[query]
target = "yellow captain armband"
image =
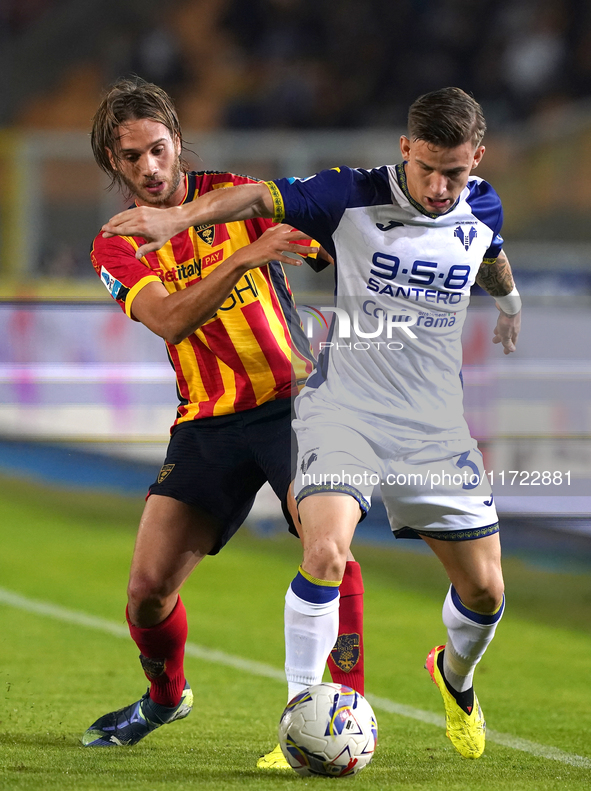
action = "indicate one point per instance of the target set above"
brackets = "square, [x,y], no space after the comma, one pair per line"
[278,206]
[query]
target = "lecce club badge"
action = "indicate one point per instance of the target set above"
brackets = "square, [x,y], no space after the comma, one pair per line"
[206,233]
[165,472]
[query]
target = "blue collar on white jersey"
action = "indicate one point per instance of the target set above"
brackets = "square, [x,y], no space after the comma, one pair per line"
[401,176]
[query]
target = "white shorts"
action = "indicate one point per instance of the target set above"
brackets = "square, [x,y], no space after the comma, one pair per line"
[429,487]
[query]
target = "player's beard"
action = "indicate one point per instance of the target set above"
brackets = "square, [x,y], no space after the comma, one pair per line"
[138,190]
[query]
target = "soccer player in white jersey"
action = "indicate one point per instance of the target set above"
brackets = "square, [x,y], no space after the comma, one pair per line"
[384,405]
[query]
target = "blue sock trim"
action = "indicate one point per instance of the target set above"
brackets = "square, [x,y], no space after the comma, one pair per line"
[477,617]
[312,592]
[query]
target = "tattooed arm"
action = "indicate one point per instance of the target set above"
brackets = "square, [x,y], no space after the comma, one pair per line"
[497,280]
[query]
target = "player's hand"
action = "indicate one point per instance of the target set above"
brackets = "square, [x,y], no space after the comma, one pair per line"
[156,226]
[507,331]
[278,243]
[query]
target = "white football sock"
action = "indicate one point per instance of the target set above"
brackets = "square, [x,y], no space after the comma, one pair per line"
[468,636]
[310,634]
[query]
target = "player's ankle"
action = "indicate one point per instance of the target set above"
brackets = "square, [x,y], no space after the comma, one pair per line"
[464,698]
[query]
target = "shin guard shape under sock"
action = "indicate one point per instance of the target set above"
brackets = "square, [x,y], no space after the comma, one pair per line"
[311,624]
[469,634]
[162,650]
[346,660]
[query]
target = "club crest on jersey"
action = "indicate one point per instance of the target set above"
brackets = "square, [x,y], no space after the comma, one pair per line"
[466,238]
[308,460]
[206,233]
[165,472]
[345,653]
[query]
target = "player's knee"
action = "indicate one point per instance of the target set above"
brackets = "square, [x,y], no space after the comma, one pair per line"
[144,591]
[485,596]
[325,560]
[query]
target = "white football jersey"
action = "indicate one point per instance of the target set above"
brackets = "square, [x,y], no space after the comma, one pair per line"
[403,279]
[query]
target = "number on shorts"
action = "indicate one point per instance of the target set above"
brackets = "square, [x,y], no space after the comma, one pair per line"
[464,461]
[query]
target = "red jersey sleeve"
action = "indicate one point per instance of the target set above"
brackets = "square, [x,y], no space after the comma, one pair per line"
[119,270]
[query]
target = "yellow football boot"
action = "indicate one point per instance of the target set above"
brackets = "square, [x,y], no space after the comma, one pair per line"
[466,730]
[273,760]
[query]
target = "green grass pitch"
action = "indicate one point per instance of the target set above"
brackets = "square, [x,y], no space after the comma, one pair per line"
[73,551]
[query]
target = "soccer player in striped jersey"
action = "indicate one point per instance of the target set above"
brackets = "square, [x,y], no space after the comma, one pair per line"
[384,406]
[217,294]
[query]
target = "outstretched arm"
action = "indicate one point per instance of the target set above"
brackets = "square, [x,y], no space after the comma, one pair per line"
[175,316]
[157,226]
[497,280]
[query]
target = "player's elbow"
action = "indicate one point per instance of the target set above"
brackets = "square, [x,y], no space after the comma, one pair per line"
[176,329]
[174,340]
[171,316]
[176,334]
[169,326]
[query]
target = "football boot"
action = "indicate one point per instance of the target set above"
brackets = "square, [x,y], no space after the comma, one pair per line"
[127,726]
[273,760]
[466,727]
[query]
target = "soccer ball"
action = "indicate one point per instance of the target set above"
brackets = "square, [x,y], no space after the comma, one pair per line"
[329,730]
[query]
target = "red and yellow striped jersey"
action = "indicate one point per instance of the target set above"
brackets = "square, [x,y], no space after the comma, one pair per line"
[253,349]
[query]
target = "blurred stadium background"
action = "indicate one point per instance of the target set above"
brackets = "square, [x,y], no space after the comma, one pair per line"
[286,87]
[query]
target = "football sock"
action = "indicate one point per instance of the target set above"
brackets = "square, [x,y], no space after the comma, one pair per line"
[468,636]
[311,626]
[162,650]
[465,700]
[346,661]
